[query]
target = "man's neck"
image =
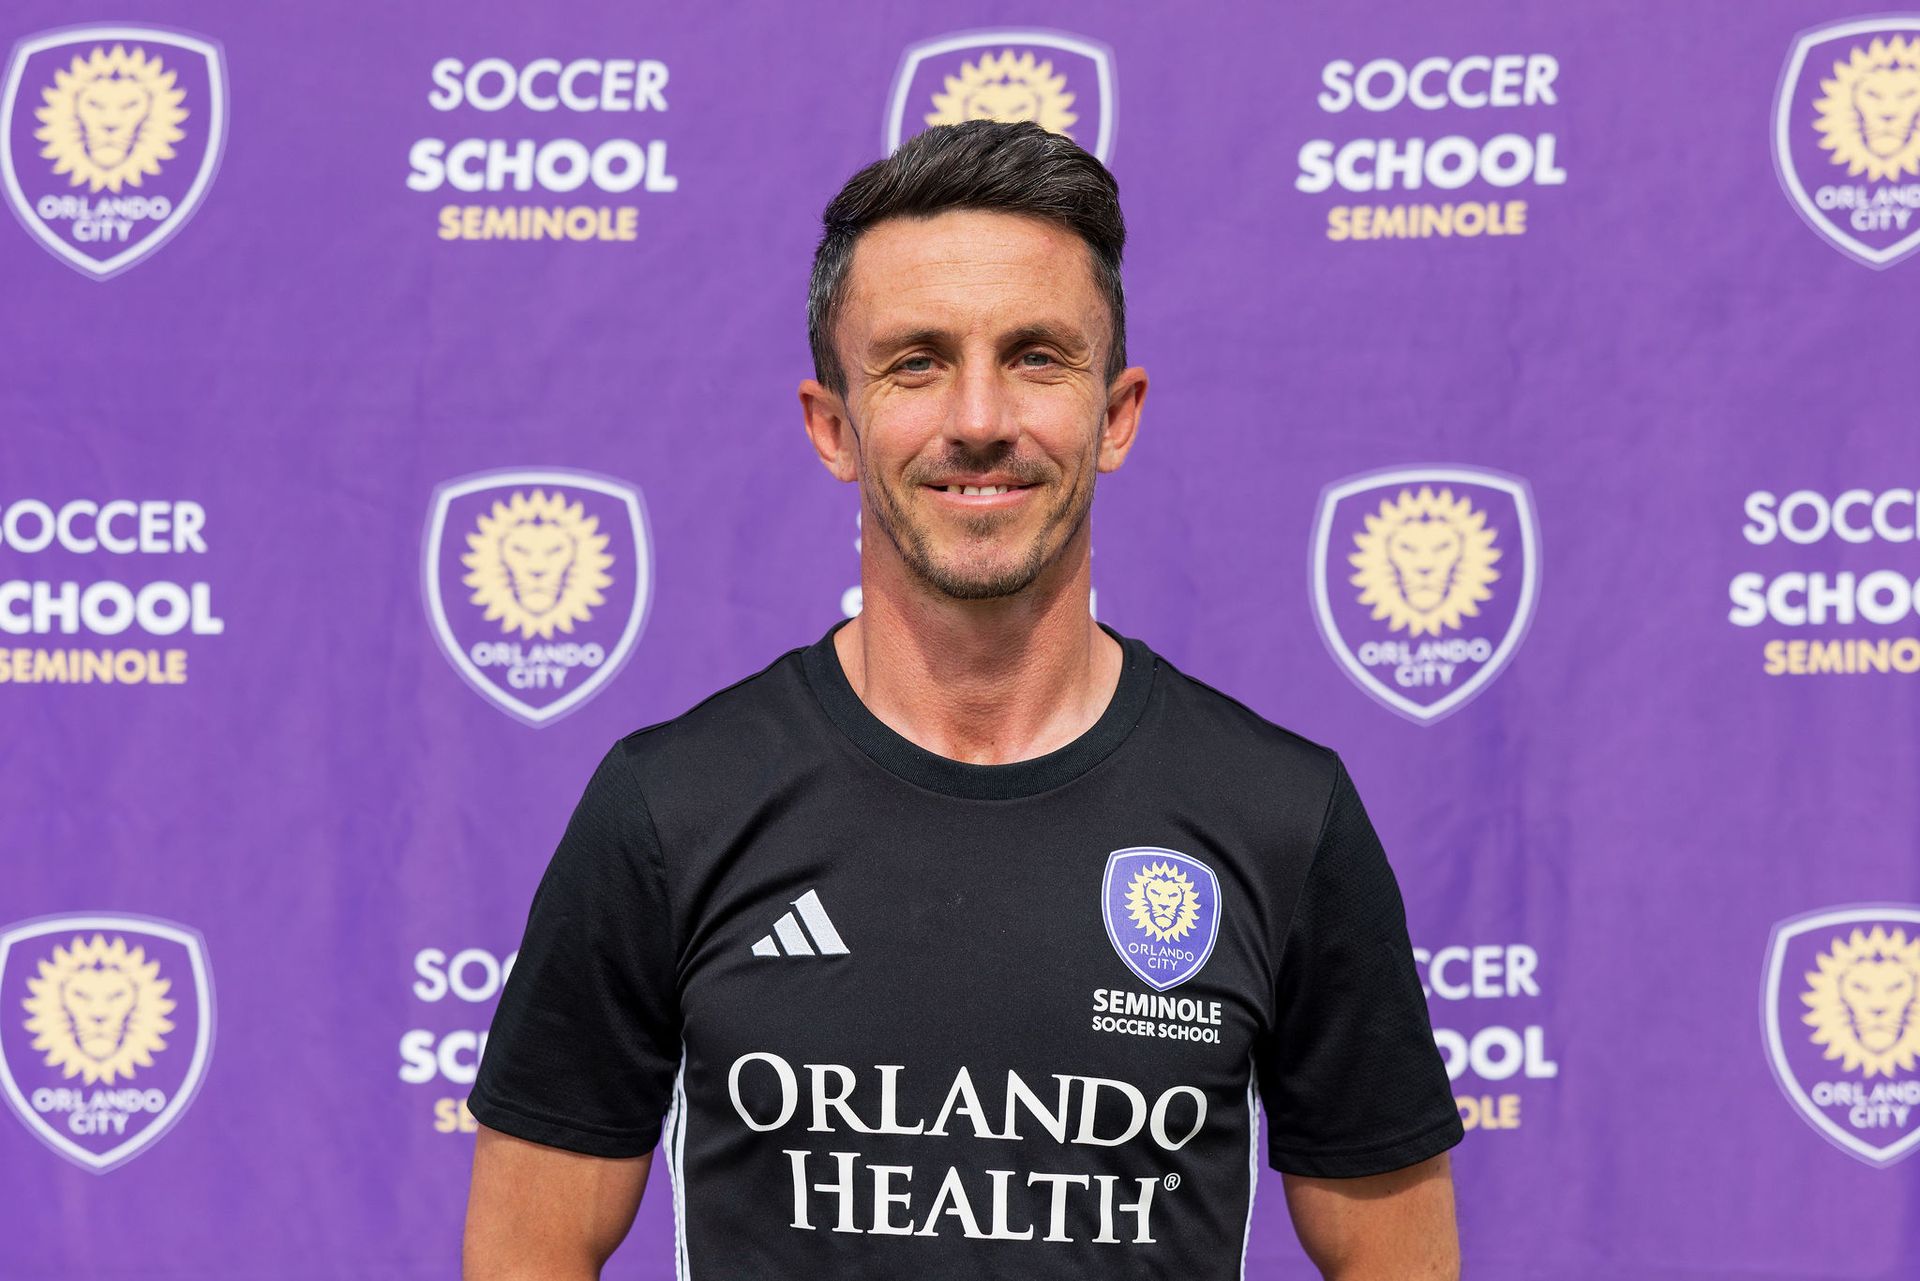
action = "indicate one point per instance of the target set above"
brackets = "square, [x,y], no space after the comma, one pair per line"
[985,682]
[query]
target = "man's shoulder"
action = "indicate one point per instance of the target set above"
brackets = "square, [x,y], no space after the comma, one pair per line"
[746,726]
[1226,732]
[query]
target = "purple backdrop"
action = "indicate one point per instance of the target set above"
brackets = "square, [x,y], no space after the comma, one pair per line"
[1532,420]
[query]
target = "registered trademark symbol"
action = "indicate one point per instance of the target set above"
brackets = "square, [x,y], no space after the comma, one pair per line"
[1171,1182]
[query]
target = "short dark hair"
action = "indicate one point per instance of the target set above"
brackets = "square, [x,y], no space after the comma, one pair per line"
[984,165]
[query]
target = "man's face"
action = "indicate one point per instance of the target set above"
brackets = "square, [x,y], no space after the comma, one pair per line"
[975,347]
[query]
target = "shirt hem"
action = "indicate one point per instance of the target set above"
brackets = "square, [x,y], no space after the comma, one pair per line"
[560,1134]
[1358,1163]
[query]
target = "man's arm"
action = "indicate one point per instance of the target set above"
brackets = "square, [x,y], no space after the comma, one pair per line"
[1396,1226]
[537,1212]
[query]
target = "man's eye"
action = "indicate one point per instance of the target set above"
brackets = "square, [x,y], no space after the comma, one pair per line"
[916,365]
[1036,359]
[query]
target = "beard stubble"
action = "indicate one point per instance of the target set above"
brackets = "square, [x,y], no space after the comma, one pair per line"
[915,542]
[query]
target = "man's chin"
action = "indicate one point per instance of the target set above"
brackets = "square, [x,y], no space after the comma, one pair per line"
[974,579]
[998,587]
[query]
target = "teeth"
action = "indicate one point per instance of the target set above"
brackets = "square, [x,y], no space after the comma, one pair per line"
[978,489]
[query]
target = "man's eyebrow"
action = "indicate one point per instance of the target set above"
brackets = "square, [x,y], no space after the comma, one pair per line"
[1066,338]
[923,337]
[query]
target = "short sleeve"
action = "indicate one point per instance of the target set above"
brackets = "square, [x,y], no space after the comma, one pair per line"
[1349,1074]
[585,1044]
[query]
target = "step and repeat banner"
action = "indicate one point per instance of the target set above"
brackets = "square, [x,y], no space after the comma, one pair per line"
[397,407]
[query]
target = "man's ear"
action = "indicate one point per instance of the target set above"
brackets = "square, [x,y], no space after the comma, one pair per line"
[1126,394]
[830,430]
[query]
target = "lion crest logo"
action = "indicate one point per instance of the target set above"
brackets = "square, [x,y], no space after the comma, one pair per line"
[1424,582]
[106,1024]
[1870,112]
[109,138]
[1847,135]
[1064,83]
[1008,87]
[1162,912]
[1424,562]
[99,1009]
[111,118]
[1841,1014]
[1162,901]
[1863,1001]
[538,564]
[536,584]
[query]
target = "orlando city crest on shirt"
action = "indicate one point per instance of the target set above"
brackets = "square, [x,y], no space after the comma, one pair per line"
[1840,1012]
[536,583]
[1162,911]
[106,1025]
[1063,83]
[1846,135]
[109,139]
[1423,582]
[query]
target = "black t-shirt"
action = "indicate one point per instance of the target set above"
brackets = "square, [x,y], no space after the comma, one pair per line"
[904,1016]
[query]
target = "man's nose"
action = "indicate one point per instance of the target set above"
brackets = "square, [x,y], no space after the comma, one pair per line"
[983,410]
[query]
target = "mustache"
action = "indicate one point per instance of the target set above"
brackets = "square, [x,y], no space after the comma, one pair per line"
[998,457]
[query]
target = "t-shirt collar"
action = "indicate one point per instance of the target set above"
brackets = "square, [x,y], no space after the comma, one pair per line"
[908,760]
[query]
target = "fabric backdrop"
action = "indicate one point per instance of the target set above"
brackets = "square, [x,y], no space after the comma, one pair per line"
[397,406]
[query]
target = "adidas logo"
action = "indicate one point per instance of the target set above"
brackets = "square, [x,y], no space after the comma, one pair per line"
[793,939]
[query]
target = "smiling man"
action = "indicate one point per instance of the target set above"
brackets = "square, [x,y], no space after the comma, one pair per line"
[962,942]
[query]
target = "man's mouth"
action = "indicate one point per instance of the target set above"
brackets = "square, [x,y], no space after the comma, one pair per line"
[981,490]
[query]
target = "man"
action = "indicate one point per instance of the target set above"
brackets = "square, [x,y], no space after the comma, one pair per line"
[957,944]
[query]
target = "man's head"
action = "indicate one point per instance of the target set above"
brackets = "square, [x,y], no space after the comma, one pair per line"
[981,165]
[968,330]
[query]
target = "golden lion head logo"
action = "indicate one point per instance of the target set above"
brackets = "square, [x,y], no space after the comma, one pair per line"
[1425,561]
[1870,114]
[111,118]
[538,564]
[99,1010]
[1863,1002]
[1008,87]
[1163,902]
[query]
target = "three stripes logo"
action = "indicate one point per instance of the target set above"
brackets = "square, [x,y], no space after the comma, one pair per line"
[817,938]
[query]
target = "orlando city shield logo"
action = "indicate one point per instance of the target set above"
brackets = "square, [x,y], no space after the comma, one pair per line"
[1423,582]
[1162,911]
[536,585]
[1063,83]
[1846,135]
[1840,1012]
[109,139]
[106,1025]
